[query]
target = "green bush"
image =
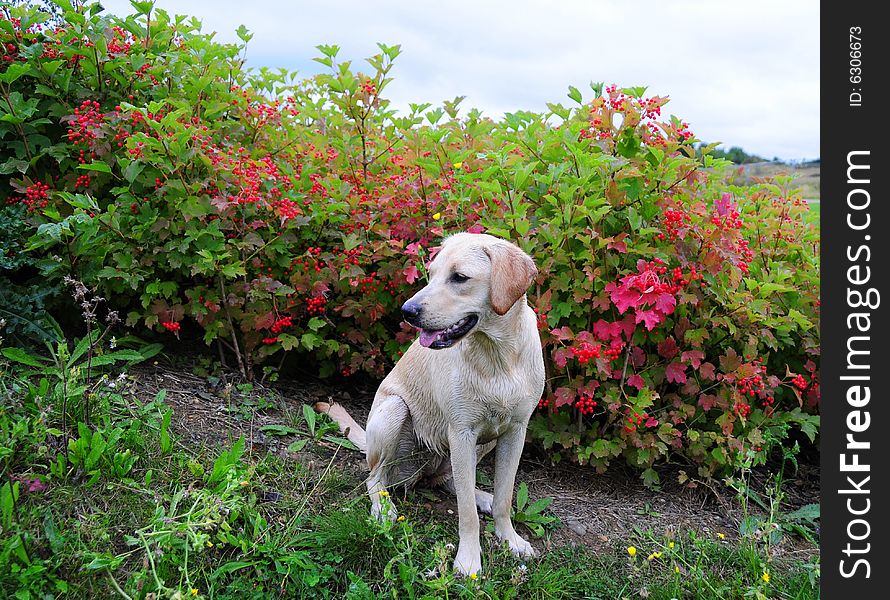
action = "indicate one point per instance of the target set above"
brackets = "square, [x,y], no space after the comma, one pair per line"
[679,311]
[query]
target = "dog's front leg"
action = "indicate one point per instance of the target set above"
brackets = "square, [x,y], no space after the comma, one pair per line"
[462,444]
[507,454]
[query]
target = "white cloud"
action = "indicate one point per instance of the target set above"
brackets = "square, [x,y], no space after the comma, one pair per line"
[746,74]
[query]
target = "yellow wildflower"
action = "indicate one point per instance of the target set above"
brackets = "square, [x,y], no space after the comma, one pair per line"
[765,576]
[383,493]
[437,216]
[245,483]
[676,569]
[209,544]
[671,545]
[474,576]
[194,591]
[722,536]
[653,556]
[458,165]
[401,518]
[632,551]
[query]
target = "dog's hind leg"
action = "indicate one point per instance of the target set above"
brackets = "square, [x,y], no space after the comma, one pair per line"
[390,440]
[352,430]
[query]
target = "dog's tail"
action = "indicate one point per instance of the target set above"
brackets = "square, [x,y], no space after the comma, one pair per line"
[352,430]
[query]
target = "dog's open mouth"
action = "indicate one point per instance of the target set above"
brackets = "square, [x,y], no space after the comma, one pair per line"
[445,338]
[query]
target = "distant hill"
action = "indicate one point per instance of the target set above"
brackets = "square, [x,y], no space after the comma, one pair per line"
[807,175]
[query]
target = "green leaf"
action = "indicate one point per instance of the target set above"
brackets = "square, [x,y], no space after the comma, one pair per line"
[310,416]
[20,356]
[278,429]
[166,443]
[574,94]
[95,166]
[244,34]
[521,497]
[297,445]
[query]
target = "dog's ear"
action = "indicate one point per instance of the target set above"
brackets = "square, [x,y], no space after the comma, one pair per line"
[512,271]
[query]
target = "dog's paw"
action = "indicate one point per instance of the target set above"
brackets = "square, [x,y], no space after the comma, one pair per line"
[468,560]
[483,501]
[519,546]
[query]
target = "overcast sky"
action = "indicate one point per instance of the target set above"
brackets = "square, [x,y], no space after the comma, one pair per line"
[742,73]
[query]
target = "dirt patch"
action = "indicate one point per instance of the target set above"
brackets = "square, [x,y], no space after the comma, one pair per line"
[596,510]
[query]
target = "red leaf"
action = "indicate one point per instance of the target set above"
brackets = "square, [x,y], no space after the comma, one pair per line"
[264,322]
[618,247]
[636,381]
[637,357]
[562,333]
[707,401]
[411,274]
[707,371]
[730,361]
[563,396]
[693,357]
[675,372]
[650,318]
[668,348]
[561,357]
[666,303]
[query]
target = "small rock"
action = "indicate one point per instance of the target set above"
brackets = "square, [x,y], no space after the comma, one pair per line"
[577,527]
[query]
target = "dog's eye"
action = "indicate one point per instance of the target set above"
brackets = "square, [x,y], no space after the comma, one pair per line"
[459,278]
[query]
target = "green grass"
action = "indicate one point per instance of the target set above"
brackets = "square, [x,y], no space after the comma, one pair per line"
[224,523]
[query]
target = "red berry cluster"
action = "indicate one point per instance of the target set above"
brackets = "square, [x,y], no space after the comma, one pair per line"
[683,132]
[544,402]
[316,305]
[36,196]
[585,404]
[683,280]
[82,181]
[281,324]
[800,382]
[675,224]
[634,420]
[585,351]
[369,88]
[269,340]
[745,255]
[120,42]
[171,326]
[742,409]
[85,127]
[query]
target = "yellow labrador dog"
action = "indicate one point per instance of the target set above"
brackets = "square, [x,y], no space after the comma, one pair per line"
[468,383]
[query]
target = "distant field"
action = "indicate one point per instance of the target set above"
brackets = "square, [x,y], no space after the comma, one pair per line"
[807,177]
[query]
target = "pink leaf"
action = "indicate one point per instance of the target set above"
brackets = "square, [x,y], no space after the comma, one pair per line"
[564,396]
[618,247]
[665,303]
[636,381]
[693,357]
[707,371]
[561,357]
[707,401]
[651,318]
[411,274]
[675,372]
[562,333]
[668,348]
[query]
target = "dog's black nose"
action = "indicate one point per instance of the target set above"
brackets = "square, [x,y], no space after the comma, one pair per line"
[411,311]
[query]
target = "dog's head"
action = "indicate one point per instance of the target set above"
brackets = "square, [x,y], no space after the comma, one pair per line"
[473,278]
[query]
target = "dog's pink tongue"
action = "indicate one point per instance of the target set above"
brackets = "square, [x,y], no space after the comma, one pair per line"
[427,337]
